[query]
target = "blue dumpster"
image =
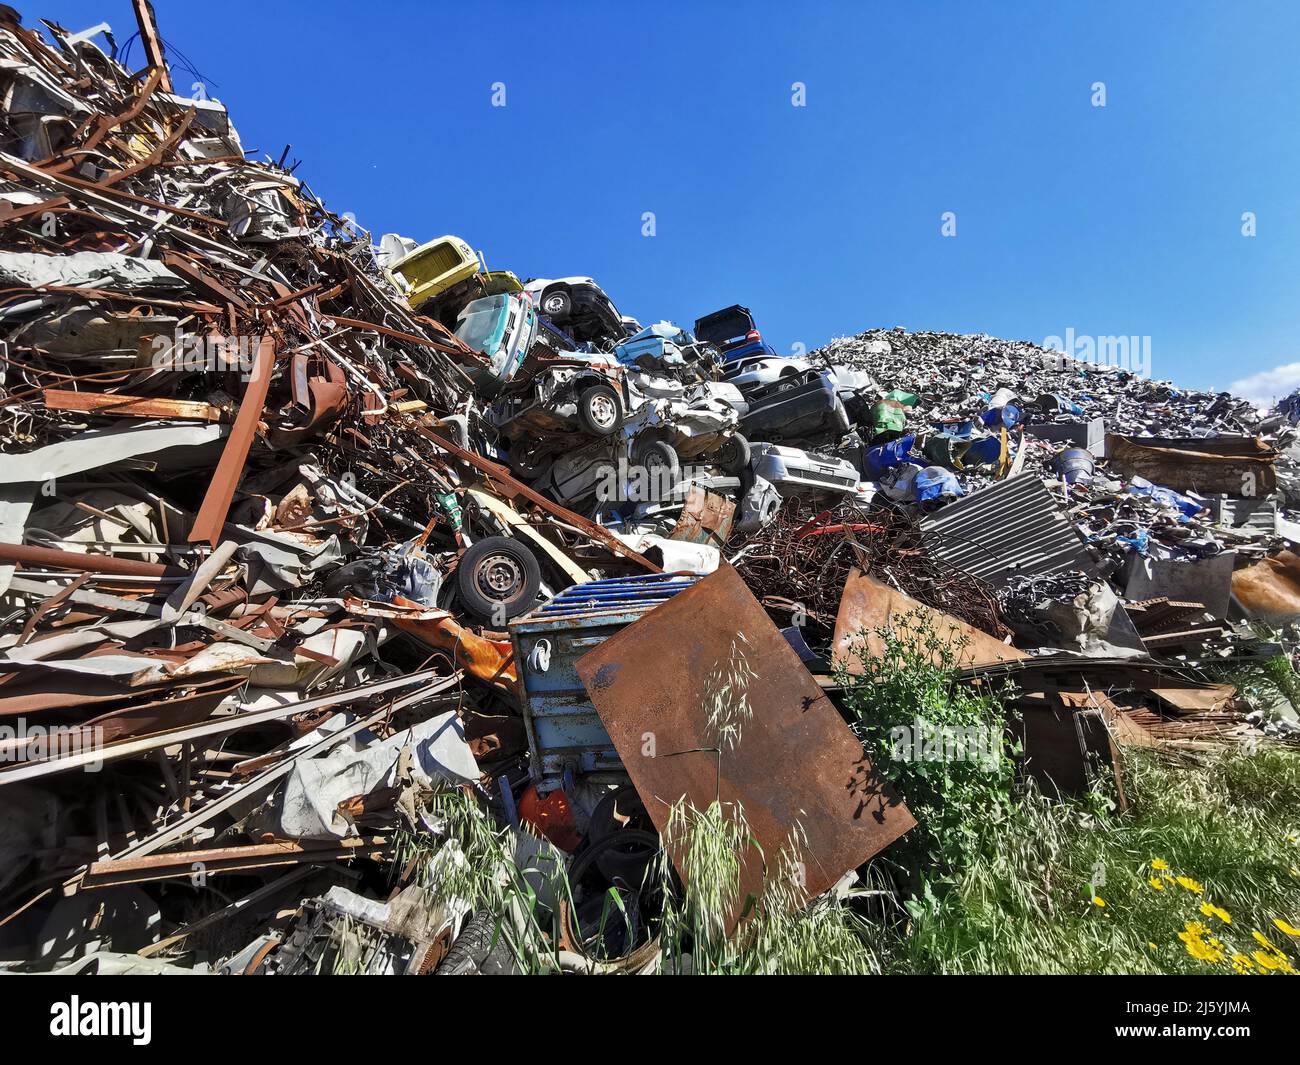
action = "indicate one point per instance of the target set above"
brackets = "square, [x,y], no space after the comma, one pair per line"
[565,736]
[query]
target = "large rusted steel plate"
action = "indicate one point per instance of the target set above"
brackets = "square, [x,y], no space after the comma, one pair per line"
[796,761]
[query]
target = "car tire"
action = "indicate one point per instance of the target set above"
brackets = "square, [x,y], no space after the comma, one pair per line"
[600,410]
[521,467]
[557,305]
[497,578]
[733,456]
[659,454]
[480,950]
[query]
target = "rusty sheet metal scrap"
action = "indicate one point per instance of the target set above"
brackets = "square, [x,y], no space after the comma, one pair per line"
[793,762]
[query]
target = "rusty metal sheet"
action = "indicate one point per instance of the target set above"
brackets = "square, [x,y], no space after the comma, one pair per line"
[1235,466]
[706,518]
[796,760]
[1270,589]
[1063,736]
[868,605]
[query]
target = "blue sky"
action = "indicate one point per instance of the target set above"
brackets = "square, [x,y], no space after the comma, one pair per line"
[824,219]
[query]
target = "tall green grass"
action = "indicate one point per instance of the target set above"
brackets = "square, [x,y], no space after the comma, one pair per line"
[1062,888]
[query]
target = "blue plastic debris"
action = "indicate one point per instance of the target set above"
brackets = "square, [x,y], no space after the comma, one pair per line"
[887,456]
[1140,486]
[933,482]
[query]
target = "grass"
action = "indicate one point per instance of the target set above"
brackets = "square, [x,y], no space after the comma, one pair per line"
[1063,888]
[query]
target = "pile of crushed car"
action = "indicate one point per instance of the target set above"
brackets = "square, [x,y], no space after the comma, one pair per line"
[305,539]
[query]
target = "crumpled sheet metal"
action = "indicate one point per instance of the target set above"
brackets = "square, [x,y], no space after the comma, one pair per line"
[87,269]
[307,807]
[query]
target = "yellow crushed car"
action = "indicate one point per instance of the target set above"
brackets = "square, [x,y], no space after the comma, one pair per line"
[433,268]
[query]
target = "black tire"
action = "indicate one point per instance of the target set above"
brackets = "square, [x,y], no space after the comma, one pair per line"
[494,573]
[557,305]
[519,463]
[733,456]
[479,950]
[658,453]
[600,410]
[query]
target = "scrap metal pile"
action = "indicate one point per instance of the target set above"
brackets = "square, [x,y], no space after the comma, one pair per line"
[304,538]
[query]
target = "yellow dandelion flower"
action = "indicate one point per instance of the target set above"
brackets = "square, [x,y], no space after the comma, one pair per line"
[1156,883]
[1241,963]
[1273,963]
[1199,949]
[1188,884]
[1263,941]
[1153,946]
[1283,926]
[1159,864]
[1210,910]
[1097,900]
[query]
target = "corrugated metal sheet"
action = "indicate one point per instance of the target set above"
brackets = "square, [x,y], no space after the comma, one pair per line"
[1008,528]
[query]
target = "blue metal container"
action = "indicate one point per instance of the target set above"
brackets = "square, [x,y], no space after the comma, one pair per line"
[565,736]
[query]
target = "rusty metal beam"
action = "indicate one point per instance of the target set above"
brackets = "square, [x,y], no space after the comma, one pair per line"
[216,504]
[110,872]
[459,347]
[25,554]
[152,41]
[130,406]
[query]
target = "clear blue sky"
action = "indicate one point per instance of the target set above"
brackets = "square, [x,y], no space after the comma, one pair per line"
[824,219]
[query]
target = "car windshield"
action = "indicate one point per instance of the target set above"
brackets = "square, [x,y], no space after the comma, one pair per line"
[483,323]
[719,328]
